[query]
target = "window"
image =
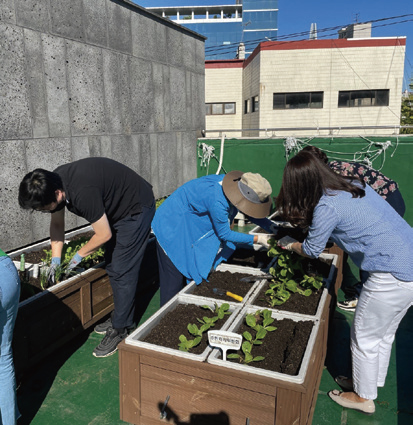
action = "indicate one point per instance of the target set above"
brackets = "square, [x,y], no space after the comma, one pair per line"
[356,98]
[298,100]
[246,106]
[220,108]
[255,106]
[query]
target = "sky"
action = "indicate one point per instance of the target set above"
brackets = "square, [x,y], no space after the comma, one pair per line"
[296,16]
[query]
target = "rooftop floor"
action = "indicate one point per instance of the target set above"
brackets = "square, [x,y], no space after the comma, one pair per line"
[73,387]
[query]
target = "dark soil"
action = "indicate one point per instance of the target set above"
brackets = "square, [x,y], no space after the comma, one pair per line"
[295,304]
[35,257]
[166,333]
[230,282]
[250,258]
[282,349]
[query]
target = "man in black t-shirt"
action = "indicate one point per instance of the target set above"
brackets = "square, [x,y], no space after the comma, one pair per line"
[120,206]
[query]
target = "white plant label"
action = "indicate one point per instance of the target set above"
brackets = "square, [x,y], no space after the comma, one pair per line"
[225,341]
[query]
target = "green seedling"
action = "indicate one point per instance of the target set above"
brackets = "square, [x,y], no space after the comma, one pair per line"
[68,251]
[260,322]
[289,277]
[206,322]
[187,344]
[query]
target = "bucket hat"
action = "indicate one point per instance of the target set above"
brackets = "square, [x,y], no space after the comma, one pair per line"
[249,192]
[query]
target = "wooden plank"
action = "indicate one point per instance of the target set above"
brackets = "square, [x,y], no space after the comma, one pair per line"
[203,397]
[85,303]
[288,410]
[214,372]
[223,389]
[129,386]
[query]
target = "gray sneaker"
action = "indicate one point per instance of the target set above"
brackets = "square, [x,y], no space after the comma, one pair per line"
[348,305]
[101,328]
[109,343]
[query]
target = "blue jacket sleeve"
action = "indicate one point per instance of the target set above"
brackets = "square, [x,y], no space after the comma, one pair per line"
[219,213]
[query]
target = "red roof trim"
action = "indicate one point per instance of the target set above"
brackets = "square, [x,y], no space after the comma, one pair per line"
[338,43]
[230,63]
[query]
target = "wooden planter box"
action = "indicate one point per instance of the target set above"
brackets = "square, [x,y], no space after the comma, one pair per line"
[157,387]
[49,319]
[220,395]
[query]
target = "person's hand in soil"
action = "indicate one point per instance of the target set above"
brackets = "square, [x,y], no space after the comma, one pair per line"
[74,262]
[51,274]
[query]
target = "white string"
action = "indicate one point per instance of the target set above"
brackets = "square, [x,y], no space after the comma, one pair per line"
[207,154]
[366,155]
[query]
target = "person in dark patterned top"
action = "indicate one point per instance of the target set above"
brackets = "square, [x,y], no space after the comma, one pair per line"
[388,189]
[375,179]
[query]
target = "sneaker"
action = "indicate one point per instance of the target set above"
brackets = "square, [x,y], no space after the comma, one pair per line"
[109,344]
[101,328]
[348,305]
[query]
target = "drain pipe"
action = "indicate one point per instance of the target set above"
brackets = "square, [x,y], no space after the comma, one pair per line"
[221,154]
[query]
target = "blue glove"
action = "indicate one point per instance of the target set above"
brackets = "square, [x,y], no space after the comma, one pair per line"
[51,273]
[74,262]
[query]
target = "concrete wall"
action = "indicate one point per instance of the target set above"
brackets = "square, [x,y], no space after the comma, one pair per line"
[84,78]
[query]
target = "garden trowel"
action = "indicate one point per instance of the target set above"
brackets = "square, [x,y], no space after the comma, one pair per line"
[219,291]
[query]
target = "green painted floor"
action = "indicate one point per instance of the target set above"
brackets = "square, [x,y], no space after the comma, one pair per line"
[73,387]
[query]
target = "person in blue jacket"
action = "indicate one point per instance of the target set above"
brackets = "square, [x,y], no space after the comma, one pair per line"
[192,226]
[377,239]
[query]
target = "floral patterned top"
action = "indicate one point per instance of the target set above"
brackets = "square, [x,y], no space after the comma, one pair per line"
[375,179]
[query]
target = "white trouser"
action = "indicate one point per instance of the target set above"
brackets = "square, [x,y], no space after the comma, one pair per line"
[383,303]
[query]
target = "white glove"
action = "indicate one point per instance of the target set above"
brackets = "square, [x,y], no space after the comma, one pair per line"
[263,240]
[286,243]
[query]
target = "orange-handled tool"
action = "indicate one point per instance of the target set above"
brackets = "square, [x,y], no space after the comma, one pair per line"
[219,291]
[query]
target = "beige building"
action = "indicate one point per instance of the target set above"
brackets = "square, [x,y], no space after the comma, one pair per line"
[308,88]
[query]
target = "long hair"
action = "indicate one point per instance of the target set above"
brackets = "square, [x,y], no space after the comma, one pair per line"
[306,178]
[38,189]
[317,152]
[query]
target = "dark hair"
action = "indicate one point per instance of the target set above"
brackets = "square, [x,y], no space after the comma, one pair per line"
[317,152]
[37,189]
[306,178]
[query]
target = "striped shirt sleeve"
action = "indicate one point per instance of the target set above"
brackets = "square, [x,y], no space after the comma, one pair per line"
[325,219]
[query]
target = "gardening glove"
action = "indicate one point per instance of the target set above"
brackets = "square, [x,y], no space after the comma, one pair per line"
[51,273]
[74,262]
[263,241]
[287,242]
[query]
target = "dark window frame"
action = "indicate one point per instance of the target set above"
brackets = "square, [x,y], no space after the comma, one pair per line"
[255,104]
[246,106]
[209,108]
[360,98]
[303,100]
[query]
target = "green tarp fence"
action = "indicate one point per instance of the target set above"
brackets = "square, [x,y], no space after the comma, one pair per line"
[268,157]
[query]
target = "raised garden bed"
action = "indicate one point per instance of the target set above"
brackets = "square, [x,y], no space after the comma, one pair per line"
[54,316]
[157,385]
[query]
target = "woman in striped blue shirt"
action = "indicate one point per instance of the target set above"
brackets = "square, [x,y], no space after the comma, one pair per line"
[377,239]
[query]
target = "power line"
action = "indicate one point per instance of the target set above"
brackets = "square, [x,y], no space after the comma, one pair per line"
[213,50]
